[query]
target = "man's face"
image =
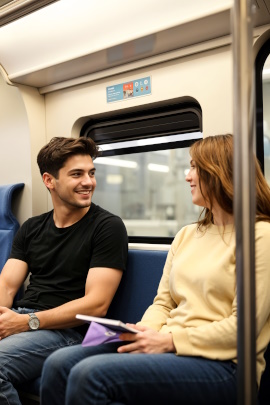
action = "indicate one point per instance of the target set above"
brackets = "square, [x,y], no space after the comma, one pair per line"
[76,182]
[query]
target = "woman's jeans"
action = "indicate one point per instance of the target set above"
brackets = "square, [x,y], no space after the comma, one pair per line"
[99,375]
[22,356]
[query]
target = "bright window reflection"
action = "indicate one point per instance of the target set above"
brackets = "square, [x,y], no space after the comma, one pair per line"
[151,194]
[266,117]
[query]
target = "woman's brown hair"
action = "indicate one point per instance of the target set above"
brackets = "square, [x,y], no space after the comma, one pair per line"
[213,157]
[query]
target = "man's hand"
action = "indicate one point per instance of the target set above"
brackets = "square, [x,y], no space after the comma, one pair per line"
[147,341]
[12,323]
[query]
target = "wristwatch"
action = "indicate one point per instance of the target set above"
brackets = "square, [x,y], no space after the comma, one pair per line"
[33,322]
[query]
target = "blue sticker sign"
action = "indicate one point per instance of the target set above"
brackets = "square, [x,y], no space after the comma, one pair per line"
[128,90]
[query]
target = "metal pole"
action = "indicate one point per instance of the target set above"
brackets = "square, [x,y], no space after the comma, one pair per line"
[244,199]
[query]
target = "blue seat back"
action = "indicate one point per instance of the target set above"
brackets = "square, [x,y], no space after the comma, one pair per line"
[138,286]
[8,223]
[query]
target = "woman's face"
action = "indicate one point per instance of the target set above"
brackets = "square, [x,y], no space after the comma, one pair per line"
[193,179]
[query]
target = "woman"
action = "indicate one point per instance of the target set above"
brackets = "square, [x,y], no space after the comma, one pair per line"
[186,348]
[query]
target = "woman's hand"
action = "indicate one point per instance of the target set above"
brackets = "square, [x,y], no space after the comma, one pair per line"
[146,341]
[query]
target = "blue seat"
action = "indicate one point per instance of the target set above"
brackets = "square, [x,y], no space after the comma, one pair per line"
[138,286]
[8,223]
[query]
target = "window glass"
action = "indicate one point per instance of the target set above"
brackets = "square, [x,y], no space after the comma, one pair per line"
[266,117]
[147,189]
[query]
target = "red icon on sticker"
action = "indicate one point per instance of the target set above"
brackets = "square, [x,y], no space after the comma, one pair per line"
[128,86]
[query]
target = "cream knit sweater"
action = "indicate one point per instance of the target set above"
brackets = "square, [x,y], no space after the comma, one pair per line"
[196,299]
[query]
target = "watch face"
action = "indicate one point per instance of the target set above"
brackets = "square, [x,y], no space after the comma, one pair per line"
[33,323]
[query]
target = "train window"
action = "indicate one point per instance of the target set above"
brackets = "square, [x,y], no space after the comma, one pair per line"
[141,172]
[263,108]
[266,115]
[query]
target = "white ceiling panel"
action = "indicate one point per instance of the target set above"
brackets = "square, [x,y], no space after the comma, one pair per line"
[71,38]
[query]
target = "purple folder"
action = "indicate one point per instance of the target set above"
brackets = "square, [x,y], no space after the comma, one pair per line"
[98,334]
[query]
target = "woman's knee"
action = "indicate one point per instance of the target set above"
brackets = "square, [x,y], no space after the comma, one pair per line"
[91,378]
[79,380]
[55,365]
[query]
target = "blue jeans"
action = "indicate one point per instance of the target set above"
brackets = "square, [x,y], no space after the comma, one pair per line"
[99,375]
[22,356]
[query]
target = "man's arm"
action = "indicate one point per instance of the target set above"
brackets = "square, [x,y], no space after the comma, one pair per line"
[11,278]
[101,285]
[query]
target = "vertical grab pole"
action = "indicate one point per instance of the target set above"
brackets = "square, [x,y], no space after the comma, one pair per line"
[244,199]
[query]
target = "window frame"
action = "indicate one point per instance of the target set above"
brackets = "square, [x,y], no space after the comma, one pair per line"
[146,114]
[259,64]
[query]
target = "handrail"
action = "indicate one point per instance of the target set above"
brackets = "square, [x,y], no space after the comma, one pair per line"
[244,199]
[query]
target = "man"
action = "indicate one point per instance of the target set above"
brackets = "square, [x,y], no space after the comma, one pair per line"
[75,254]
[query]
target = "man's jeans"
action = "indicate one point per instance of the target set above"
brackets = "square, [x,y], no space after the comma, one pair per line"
[98,375]
[22,356]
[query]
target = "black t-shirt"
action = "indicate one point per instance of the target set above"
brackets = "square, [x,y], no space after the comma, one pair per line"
[59,258]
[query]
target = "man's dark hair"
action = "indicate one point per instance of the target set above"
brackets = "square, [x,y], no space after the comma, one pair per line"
[52,157]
